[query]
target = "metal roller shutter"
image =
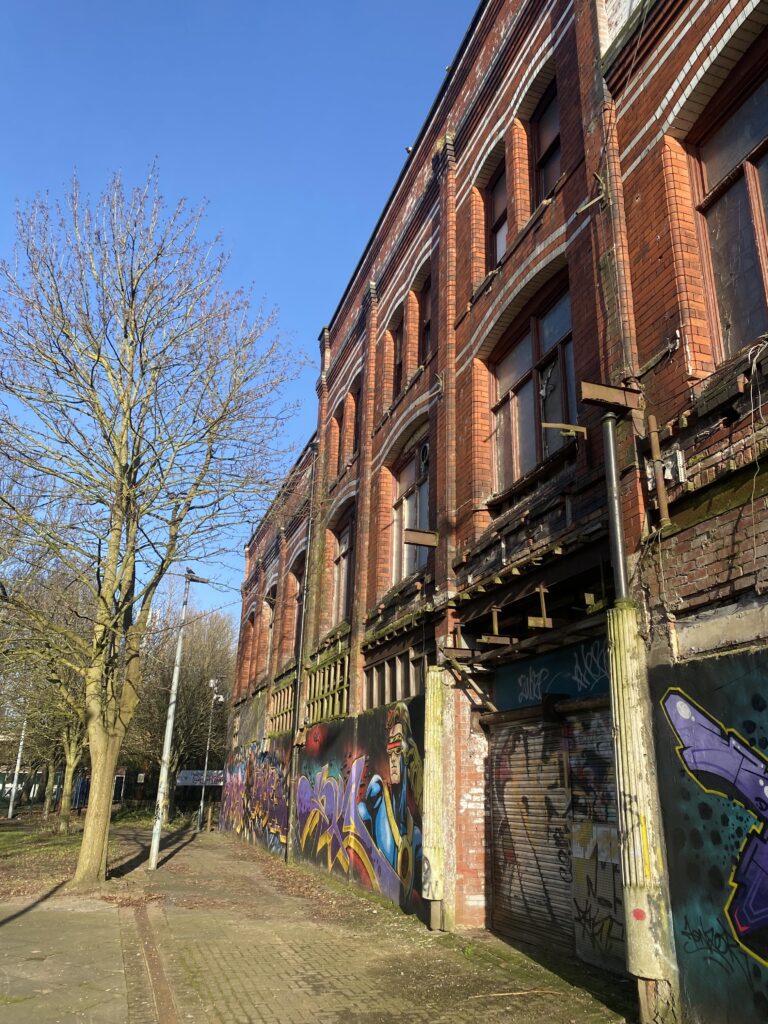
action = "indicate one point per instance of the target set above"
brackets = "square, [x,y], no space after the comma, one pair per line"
[598,908]
[531,822]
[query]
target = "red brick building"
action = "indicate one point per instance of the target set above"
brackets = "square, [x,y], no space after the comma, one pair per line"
[521,565]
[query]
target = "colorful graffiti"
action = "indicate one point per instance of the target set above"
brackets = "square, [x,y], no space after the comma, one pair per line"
[254,800]
[711,726]
[722,762]
[359,810]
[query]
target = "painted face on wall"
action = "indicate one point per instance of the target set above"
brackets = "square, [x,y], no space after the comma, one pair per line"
[395,749]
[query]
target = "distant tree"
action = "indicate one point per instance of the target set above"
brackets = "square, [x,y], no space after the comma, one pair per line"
[143,399]
[209,653]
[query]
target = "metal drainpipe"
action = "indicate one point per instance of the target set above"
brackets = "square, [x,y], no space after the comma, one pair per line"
[293,784]
[615,530]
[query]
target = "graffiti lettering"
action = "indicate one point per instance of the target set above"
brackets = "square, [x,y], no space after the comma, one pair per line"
[562,839]
[590,666]
[716,944]
[599,927]
[532,684]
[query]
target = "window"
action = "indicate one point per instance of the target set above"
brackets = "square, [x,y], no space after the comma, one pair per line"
[298,588]
[356,422]
[270,602]
[411,512]
[497,217]
[341,454]
[398,678]
[425,321]
[397,347]
[734,184]
[342,573]
[545,126]
[535,385]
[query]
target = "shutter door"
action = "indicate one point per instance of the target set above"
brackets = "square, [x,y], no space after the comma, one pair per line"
[531,841]
[598,909]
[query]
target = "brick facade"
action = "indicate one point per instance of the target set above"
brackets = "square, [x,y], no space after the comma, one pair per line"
[527,563]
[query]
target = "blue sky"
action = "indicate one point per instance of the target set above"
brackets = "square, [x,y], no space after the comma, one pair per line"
[292,121]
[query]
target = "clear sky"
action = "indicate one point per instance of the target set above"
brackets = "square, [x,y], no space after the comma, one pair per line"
[291,120]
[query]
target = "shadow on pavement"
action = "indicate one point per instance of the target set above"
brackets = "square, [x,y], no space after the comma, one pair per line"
[34,903]
[169,844]
[616,991]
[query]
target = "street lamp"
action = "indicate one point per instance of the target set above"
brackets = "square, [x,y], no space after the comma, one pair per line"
[216,698]
[162,787]
[15,785]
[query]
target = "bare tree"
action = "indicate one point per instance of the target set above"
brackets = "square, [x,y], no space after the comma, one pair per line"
[144,396]
[209,653]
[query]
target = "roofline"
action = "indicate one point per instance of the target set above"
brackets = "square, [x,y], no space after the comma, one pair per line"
[302,453]
[422,132]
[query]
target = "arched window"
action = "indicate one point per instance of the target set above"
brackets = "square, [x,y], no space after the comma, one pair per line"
[342,571]
[410,510]
[535,389]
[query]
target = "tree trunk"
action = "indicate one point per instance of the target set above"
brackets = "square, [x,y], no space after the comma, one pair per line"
[26,789]
[43,787]
[92,862]
[50,778]
[72,753]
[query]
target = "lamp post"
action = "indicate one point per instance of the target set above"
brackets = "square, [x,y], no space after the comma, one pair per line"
[18,767]
[216,698]
[162,787]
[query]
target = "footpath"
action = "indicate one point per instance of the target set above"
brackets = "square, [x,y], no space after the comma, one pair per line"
[224,933]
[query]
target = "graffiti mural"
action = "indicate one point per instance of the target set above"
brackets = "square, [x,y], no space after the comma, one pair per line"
[254,800]
[359,800]
[711,724]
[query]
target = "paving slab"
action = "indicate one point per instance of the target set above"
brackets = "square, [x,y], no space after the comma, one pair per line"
[224,933]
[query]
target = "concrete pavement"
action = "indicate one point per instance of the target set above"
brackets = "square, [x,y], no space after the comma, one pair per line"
[224,933]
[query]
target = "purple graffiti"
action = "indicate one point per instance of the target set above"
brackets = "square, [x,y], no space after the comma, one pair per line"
[254,798]
[327,811]
[723,763]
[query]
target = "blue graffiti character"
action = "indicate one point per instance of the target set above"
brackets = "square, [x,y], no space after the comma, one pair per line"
[722,762]
[388,809]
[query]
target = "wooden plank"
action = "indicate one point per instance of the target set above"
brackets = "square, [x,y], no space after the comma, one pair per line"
[602,394]
[424,538]
[539,622]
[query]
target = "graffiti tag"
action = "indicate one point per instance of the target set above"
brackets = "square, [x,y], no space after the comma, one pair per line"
[716,944]
[532,684]
[590,666]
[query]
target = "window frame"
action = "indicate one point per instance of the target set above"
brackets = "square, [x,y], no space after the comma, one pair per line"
[339,417]
[399,504]
[356,420]
[343,557]
[539,158]
[725,105]
[425,324]
[529,325]
[398,358]
[493,227]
